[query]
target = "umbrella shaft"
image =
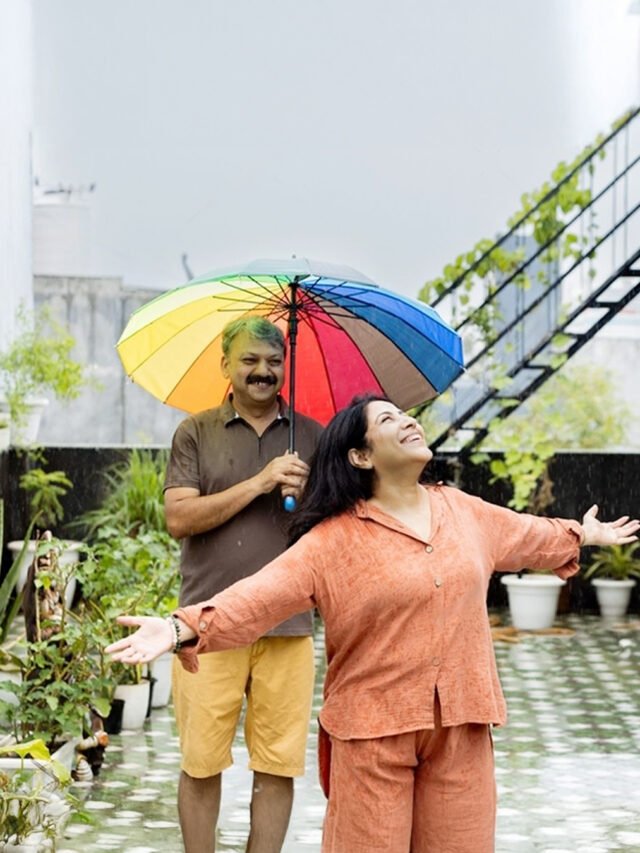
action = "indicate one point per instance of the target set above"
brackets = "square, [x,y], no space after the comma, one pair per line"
[293,334]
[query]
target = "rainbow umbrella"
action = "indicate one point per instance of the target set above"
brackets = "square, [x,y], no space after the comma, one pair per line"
[346,335]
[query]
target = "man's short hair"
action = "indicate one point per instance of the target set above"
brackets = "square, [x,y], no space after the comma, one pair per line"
[257,328]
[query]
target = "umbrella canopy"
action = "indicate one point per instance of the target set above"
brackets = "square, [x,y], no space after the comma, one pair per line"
[346,336]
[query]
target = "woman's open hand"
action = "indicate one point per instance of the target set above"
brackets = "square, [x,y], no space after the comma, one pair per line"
[618,532]
[153,637]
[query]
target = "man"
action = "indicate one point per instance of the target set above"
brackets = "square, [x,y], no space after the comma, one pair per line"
[227,476]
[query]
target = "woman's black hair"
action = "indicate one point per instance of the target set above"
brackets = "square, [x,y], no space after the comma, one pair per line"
[334,484]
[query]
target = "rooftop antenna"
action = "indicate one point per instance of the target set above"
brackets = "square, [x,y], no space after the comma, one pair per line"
[185,266]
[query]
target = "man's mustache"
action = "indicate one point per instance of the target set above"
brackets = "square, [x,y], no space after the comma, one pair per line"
[270,380]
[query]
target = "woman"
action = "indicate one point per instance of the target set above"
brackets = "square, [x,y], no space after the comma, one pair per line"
[399,573]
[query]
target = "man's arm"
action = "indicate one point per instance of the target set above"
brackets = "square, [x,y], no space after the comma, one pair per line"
[188,512]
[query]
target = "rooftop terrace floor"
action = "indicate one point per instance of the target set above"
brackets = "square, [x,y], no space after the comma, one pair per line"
[567,763]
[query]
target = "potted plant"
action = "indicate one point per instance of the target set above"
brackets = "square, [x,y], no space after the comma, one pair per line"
[10,602]
[529,440]
[34,803]
[614,571]
[45,490]
[65,676]
[136,564]
[37,361]
[10,598]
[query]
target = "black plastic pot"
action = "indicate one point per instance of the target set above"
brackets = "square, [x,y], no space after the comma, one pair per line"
[113,723]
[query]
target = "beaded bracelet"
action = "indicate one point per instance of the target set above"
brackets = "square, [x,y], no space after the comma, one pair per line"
[175,628]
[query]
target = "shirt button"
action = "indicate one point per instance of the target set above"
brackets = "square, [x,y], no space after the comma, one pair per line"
[429,549]
[202,625]
[438,582]
[435,661]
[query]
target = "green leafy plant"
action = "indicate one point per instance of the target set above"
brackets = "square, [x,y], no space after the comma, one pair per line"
[481,269]
[45,488]
[38,360]
[133,498]
[32,804]
[576,409]
[550,219]
[10,600]
[65,675]
[616,562]
[136,560]
[133,575]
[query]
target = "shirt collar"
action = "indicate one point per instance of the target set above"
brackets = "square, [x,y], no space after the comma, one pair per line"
[229,414]
[367,511]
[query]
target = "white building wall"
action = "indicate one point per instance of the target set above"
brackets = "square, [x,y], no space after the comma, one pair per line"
[389,136]
[62,238]
[16,57]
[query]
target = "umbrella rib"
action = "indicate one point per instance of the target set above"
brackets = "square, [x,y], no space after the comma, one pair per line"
[383,310]
[273,301]
[249,302]
[325,317]
[283,290]
[326,296]
[317,299]
[240,289]
[355,289]
[383,334]
[283,286]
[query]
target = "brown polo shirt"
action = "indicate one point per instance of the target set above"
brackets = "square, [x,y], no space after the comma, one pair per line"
[212,451]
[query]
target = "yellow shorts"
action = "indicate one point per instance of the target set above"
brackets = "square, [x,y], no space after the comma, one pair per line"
[276,675]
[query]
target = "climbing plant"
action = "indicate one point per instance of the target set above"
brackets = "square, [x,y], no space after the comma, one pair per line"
[544,214]
[589,414]
[577,408]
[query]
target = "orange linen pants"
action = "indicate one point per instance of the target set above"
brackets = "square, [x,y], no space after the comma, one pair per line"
[428,791]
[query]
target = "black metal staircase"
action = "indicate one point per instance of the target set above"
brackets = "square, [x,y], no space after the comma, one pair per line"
[558,294]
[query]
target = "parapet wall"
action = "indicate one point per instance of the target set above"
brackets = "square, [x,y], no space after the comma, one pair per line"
[612,480]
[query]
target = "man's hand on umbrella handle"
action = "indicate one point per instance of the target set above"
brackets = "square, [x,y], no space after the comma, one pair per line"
[287,471]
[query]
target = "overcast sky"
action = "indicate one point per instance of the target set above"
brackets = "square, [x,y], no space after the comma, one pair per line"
[389,136]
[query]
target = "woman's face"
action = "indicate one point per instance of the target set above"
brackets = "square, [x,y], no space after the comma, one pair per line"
[394,438]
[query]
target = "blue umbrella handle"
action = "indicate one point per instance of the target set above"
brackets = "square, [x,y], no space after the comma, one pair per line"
[289,503]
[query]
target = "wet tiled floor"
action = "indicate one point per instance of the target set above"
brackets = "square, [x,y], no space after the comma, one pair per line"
[567,763]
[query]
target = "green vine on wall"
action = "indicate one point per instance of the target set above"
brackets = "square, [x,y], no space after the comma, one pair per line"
[576,409]
[530,437]
[546,212]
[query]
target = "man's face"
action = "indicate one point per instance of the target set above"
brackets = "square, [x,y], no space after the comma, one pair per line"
[255,369]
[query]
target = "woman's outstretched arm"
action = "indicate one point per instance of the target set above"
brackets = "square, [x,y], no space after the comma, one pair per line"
[235,617]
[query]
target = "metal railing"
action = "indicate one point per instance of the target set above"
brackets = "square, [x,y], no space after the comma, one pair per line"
[574,281]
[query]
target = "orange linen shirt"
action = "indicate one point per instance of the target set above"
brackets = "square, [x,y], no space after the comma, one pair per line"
[403,615]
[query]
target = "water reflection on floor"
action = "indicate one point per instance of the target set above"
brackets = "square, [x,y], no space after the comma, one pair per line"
[568,763]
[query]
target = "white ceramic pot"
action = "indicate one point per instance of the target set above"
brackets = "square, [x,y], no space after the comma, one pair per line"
[65,755]
[32,844]
[136,703]
[52,810]
[161,671]
[613,596]
[533,600]
[69,556]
